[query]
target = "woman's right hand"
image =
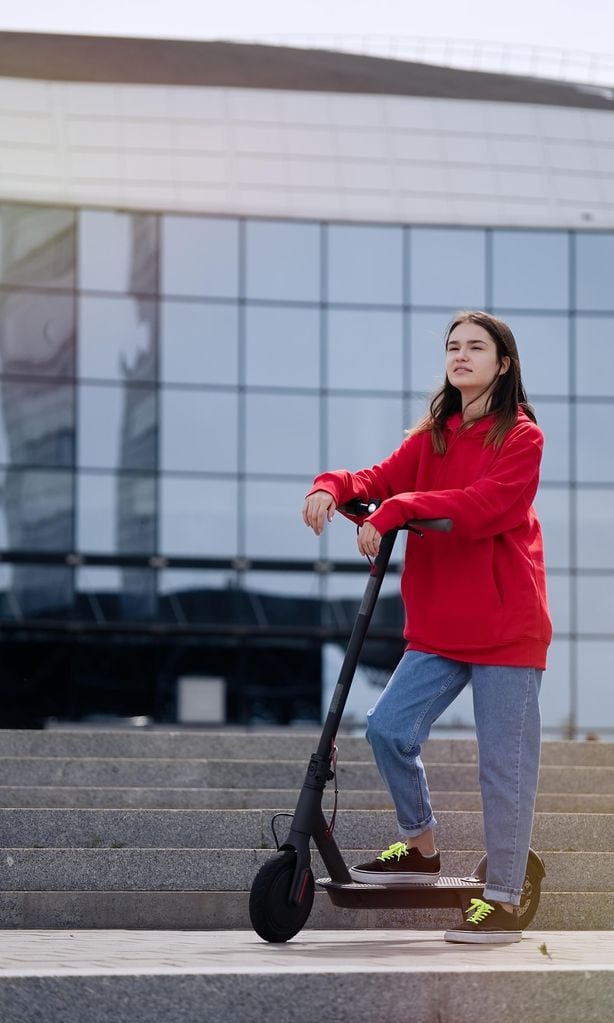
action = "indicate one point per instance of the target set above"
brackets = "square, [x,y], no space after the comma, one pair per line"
[319,507]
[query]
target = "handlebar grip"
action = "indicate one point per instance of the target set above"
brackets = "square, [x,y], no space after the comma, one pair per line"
[442,525]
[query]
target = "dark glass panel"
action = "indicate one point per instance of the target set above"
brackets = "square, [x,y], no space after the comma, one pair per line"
[37,334]
[36,510]
[37,422]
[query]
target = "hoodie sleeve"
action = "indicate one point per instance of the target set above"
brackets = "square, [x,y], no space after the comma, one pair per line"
[395,474]
[497,502]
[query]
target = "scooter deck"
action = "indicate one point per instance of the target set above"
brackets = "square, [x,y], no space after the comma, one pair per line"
[445,892]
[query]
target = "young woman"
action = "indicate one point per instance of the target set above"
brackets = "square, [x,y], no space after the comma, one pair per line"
[475,607]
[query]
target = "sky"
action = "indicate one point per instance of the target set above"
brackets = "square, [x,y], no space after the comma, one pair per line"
[562,24]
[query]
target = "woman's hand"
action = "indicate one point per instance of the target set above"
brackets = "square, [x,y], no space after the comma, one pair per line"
[369,540]
[318,508]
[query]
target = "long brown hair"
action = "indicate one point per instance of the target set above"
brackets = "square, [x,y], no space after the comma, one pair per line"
[508,394]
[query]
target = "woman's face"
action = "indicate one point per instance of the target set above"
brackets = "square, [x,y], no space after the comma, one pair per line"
[472,361]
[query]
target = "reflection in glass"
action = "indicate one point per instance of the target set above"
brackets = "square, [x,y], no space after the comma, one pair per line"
[595,691]
[559,597]
[555,693]
[198,431]
[282,346]
[282,433]
[594,261]
[274,526]
[365,349]
[553,421]
[117,427]
[197,596]
[427,332]
[37,334]
[594,348]
[39,591]
[198,517]
[552,507]
[365,264]
[362,431]
[447,267]
[283,598]
[594,535]
[116,513]
[108,594]
[543,346]
[530,269]
[594,456]
[132,240]
[199,256]
[283,261]
[117,338]
[36,510]
[37,424]
[198,343]
[37,246]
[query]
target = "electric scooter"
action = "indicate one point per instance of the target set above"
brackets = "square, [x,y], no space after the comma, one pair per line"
[283,890]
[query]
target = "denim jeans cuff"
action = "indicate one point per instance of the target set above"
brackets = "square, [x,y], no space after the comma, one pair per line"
[499,894]
[416,829]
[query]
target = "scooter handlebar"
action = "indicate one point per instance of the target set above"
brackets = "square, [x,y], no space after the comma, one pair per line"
[360,509]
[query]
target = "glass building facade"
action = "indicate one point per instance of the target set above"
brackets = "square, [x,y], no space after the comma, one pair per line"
[170,384]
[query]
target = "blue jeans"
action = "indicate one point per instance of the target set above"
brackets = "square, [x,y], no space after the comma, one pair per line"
[508,729]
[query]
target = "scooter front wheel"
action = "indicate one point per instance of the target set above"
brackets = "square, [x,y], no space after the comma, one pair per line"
[273,916]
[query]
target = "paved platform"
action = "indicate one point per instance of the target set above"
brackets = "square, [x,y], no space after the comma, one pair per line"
[357,976]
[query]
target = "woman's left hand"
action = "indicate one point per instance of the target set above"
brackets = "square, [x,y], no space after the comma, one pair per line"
[369,540]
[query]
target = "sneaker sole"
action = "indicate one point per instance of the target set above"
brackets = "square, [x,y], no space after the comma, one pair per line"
[483,937]
[374,877]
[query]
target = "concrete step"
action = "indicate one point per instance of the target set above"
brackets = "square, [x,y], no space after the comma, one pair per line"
[228,910]
[343,977]
[280,744]
[251,829]
[246,799]
[181,869]
[284,774]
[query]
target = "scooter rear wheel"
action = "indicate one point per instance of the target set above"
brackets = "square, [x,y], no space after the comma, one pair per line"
[273,917]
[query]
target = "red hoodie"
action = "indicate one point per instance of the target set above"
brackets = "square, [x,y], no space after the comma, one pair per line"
[478,593]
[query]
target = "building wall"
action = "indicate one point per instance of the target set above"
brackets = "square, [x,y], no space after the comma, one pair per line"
[170,384]
[330,156]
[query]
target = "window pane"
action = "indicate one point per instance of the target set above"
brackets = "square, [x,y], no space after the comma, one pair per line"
[427,356]
[131,238]
[594,348]
[110,594]
[37,246]
[37,334]
[199,256]
[559,601]
[447,267]
[553,421]
[552,507]
[197,596]
[117,339]
[594,535]
[555,693]
[365,350]
[595,459]
[595,691]
[198,343]
[596,604]
[530,269]
[362,431]
[594,270]
[285,584]
[543,346]
[283,260]
[36,510]
[39,591]
[283,598]
[365,264]
[117,427]
[199,431]
[198,517]
[282,346]
[37,423]
[116,513]
[282,433]
[274,525]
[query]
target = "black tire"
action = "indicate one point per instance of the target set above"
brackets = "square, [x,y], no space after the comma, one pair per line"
[531,890]
[272,916]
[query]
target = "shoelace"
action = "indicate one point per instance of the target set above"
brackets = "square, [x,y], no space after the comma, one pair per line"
[397,849]
[479,911]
